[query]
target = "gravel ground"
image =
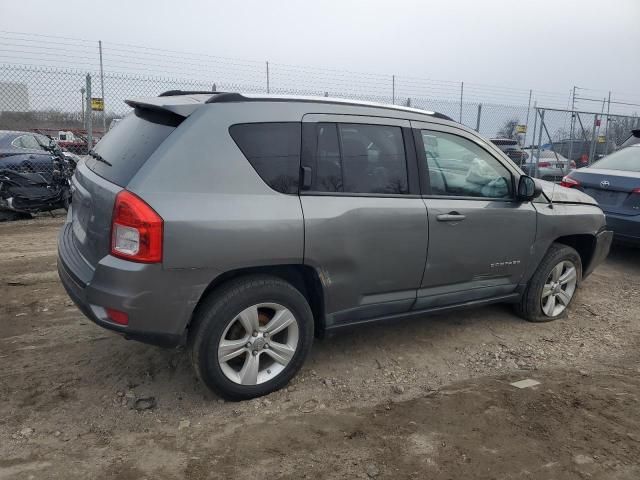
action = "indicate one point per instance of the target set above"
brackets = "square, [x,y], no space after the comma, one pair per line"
[428,398]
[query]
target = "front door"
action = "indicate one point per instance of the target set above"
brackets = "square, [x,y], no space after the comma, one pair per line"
[479,236]
[365,222]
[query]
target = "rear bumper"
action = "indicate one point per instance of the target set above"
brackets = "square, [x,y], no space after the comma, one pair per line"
[602,247]
[159,302]
[625,227]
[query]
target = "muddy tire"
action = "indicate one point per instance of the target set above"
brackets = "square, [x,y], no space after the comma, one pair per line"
[250,337]
[553,285]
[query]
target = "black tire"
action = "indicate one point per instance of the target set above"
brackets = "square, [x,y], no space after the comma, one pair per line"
[530,305]
[10,216]
[221,307]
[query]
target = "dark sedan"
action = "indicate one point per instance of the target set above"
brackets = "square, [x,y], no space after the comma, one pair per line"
[614,181]
[25,152]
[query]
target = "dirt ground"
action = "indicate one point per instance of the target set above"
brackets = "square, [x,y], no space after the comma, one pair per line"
[429,398]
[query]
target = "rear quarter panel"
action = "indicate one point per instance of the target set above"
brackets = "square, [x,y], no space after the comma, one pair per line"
[218,213]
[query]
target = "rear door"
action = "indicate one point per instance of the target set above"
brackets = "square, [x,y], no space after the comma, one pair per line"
[479,235]
[365,223]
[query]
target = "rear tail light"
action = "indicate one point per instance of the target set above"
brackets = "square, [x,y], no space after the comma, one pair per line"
[121,318]
[569,182]
[136,230]
[635,191]
[543,164]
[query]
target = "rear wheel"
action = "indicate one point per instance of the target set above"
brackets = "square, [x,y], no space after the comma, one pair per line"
[553,285]
[251,337]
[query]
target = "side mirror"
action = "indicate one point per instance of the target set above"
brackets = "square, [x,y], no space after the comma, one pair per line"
[528,189]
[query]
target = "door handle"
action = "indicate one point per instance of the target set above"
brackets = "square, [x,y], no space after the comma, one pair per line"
[451,217]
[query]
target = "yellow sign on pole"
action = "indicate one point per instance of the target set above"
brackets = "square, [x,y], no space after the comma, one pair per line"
[521,129]
[97,104]
[602,139]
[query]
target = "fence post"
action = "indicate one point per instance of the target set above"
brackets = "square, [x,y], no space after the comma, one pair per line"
[537,167]
[267,76]
[606,132]
[89,115]
[573,122]
[409,102]
[592,149]
[478,119]
[461,95]
[393,89]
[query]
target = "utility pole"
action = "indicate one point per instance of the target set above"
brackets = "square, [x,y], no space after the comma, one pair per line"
[526,125]
[104,111]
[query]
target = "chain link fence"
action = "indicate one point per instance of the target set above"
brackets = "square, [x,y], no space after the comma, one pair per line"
[57,103]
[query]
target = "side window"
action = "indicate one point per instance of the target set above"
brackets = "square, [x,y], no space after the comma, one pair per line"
[273,149]
[30,142]
[359,158]
[18,142]
[459,167]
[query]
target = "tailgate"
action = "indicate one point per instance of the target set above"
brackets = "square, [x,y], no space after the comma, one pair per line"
[91,210]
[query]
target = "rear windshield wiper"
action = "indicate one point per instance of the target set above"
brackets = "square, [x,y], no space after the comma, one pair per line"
[99,158]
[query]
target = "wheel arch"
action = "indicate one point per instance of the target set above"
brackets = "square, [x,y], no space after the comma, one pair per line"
[584,244]
[303,277]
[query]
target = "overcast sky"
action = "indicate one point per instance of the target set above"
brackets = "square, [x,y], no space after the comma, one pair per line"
[543,44]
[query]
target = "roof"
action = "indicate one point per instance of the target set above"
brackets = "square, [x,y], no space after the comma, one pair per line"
[189,98]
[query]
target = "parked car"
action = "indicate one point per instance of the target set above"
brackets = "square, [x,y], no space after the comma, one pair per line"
[261,221]
[33,180]
[580,151]
[512,149]
[551,166]
[614,181]
[25,152]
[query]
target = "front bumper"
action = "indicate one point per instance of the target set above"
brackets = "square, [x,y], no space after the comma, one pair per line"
[159,302]
[600,252]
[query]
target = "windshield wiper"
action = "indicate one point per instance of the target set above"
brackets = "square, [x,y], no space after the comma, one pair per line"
[99,158]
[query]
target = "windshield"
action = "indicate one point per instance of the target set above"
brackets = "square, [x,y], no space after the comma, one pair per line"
[626,159]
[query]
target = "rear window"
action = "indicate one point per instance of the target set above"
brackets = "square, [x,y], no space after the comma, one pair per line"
[127,146]
[626,159]
[273,149]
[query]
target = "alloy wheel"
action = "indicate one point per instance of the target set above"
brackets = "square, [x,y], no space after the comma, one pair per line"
[559,288]
[258,344]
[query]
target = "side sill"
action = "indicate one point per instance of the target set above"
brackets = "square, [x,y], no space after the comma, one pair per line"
[510,298]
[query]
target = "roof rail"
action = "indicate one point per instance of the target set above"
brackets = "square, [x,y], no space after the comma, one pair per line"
[228,97]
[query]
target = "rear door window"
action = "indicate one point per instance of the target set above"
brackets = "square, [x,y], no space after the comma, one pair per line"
[273,149]
[360,158]
[127,147]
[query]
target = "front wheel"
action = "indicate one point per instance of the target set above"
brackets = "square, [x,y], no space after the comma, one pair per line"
[251,337]
[553,285]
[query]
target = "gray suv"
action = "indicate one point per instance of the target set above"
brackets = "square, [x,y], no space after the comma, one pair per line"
[244,226]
